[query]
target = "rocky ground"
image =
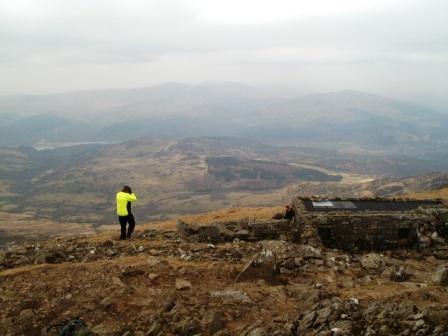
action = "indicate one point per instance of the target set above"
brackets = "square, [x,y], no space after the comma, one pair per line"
[158,284]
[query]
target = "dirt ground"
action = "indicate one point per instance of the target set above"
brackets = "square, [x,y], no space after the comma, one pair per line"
[157,284]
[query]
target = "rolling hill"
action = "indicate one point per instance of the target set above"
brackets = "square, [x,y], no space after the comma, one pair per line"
[225,109]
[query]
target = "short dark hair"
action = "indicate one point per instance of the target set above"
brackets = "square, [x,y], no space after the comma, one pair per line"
[126,189]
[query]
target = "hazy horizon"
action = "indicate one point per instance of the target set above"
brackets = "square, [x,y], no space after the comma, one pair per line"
[267,91]
[395,49]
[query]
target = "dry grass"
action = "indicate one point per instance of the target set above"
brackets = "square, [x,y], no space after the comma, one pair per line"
[25,227]
[231,214]
[234,214]
[440,193]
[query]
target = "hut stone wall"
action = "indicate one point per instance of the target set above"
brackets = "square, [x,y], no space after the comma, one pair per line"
[347,228]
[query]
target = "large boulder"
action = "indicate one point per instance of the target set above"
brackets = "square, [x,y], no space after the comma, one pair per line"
[440,276]
[396,273]
[373,262]
[231,296]
[262,266]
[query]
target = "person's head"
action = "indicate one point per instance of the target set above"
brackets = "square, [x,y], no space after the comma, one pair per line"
[287,206]
[127,189]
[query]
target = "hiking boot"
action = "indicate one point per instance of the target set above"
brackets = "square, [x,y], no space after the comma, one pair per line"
[122,238]
[129,236]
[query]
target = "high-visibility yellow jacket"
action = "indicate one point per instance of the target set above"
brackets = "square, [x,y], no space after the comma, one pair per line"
[122,201]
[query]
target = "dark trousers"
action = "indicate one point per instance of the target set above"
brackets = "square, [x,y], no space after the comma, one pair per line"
[123,221]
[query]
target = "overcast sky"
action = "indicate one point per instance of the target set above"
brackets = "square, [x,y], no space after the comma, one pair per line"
[397,48]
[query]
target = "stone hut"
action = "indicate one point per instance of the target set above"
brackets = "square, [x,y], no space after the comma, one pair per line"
[373,223]
[370,223]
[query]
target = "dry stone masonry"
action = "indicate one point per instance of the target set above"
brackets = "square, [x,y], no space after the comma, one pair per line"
[371,223]
[245,229]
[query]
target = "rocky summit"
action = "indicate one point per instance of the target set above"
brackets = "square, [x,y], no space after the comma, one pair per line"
[160,284]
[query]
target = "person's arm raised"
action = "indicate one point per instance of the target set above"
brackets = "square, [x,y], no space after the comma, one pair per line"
[131,197]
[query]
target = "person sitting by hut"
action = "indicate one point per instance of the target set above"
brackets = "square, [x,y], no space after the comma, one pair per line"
[289,214]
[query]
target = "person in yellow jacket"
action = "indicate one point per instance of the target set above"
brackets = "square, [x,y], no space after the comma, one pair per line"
[124,199]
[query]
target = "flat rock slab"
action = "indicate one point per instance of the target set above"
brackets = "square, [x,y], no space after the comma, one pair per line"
[231,295]
[182,284]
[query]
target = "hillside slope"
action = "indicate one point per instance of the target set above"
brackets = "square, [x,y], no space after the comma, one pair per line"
[75,186]
[439,193]
[156,284]
[171,177]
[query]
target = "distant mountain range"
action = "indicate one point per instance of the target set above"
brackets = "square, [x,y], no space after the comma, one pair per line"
[223,109]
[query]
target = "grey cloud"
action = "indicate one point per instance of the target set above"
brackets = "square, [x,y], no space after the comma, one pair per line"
[150,42]
[103,31]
